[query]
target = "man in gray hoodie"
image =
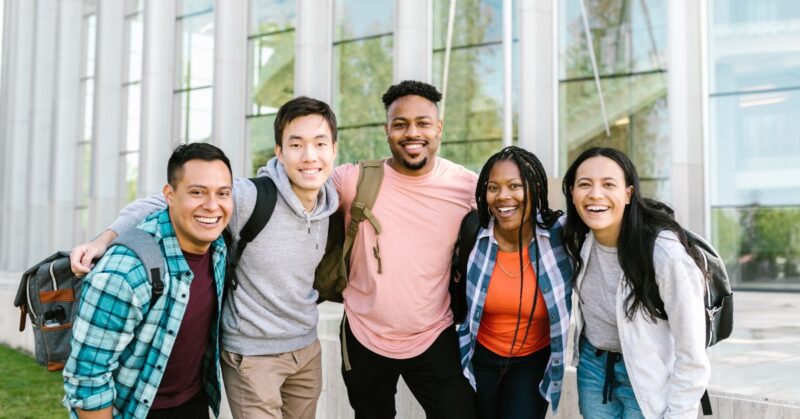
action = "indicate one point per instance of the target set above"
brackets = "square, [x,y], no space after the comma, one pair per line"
[271,357]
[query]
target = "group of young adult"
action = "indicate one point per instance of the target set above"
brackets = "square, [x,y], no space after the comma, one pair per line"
[625,262]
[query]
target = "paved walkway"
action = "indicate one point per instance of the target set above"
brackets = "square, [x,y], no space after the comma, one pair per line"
[760,361]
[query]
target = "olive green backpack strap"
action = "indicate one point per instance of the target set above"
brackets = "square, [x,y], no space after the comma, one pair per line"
[370,177]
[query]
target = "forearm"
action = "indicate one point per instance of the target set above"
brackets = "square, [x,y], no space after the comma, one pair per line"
[94,414]
[136,211]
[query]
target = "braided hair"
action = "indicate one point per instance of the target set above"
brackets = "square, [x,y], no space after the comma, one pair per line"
[534,179]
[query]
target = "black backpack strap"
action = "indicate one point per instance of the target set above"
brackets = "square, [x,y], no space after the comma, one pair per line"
[705,401]
[266,197]
[146,248]
[467,235]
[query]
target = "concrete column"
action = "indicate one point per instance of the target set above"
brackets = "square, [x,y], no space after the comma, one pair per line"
[537,67]
[684,100]
[67,124]
[109,124]
[158,75]
[41,131]
[17,100]
[230,81]
[413,40]
[314,49]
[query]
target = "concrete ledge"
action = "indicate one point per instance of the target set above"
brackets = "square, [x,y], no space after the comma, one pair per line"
[333,402]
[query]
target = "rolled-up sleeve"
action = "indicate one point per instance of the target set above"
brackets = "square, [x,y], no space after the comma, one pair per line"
[107,317]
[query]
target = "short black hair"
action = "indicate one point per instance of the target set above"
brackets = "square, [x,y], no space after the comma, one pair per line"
[193,151]
[303,106]
[408,88]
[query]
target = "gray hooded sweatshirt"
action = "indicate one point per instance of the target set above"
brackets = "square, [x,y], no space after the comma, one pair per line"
[274,309]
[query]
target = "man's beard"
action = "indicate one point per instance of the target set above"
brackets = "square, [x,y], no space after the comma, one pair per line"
[414,166]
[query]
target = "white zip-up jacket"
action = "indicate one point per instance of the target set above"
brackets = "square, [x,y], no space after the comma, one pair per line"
[666,359]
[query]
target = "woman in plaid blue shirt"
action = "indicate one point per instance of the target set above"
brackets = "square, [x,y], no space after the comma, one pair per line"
[518,292]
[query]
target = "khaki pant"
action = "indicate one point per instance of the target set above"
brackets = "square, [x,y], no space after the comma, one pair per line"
[284,385]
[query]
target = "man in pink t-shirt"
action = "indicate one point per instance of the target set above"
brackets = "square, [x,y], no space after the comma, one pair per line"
[397,309]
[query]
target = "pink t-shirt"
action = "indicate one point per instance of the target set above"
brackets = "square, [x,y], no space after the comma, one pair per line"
[400,312]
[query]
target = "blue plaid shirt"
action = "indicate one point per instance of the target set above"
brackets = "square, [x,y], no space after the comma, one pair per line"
[555,283]
[120,344]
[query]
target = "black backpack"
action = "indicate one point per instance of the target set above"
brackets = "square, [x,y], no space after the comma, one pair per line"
[49,294]
[718,296]
[467,235]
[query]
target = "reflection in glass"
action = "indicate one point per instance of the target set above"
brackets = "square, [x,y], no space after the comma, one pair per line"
[754,121]
[272,72]
[134,109]
[473,127]
[755,149]
[475,22]
[194,115]
[760,245]
[195,46]
[262,140]
[272,15]
[629,40]
[131,174]
[362,72]
[629,36]
[135,40]
[361,144]
[361,18]
[189,7]
[90,32]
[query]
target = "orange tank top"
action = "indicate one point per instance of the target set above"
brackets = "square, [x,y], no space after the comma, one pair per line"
[500,309]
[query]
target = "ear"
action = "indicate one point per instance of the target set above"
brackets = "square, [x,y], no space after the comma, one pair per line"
[168,193]
[279,152]
[439,128]
[629,193]
[386,130]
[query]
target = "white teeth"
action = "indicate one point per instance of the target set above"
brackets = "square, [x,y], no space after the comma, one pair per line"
[413,146]
[506,209]
[207,220]
[596,208]
[310,171]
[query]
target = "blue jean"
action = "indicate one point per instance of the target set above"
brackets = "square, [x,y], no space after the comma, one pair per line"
[509,387]
[591,378]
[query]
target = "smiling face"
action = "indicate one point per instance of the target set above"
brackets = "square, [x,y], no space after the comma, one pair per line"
[413,130]
[307,153]
[200,203]
[505,193]
[600,195]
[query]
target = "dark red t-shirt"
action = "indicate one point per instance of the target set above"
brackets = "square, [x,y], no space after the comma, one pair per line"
[183,377]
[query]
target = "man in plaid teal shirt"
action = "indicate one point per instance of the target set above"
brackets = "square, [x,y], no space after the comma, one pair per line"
[132,357]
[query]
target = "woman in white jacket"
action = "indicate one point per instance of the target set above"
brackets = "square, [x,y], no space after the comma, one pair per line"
[640,338]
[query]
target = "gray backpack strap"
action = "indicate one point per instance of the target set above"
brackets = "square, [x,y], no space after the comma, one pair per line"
[148,251]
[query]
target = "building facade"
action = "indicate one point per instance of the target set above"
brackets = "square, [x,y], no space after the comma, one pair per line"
[703,95]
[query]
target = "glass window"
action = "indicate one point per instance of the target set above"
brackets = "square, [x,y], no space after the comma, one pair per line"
[362,71]
[84,146]
[474,98]
[754,121]
[195,70]
[629,43]
[132,90]
[271,44]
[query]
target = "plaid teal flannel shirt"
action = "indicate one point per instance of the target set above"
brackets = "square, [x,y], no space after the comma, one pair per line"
[555,283]
[121,345]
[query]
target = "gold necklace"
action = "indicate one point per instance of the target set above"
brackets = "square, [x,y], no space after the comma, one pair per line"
[524,269]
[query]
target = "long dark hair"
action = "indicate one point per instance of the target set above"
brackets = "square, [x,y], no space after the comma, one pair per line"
[534,179]
[642,221]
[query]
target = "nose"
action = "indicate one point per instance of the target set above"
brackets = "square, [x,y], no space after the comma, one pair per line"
[595,191]
[412,131]
[211,202]
[309,153]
